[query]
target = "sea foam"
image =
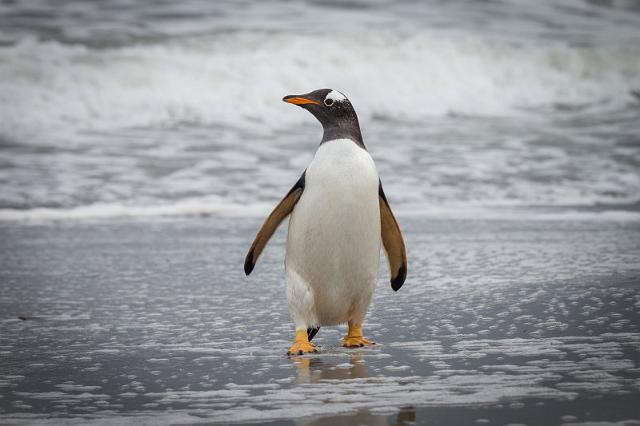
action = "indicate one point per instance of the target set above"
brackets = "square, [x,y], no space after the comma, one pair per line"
[238,79]
[206,207]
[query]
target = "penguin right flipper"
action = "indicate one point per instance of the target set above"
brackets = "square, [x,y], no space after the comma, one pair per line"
[393,242]
[279,213]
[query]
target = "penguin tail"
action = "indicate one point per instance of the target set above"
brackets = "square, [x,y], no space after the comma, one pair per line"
[312,331]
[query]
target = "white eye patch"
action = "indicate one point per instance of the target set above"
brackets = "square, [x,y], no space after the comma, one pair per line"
[334,96]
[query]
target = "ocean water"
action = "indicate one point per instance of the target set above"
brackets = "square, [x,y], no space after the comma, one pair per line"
[499,108]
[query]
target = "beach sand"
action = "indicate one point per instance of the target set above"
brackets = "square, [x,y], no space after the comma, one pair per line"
[500,321]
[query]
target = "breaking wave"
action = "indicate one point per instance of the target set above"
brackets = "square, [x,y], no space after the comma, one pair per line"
[238,79]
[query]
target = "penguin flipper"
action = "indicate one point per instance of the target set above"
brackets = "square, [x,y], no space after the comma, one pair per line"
[393,242]
[279,213]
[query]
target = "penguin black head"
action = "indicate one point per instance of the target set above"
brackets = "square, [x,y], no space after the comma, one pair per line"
[333,110]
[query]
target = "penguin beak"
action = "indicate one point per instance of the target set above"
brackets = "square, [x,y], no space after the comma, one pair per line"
[299,100]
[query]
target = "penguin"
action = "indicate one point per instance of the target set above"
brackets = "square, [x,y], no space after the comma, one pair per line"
[339,219]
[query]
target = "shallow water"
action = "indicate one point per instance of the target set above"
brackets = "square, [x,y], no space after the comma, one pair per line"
[444,167]
[499,321]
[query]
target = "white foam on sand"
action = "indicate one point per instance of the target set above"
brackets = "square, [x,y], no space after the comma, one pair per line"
[593,366]
[344,396]
[71,387]
[215,206]
[206,206]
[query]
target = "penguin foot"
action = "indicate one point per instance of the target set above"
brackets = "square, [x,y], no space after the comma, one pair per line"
[299,348]
[354,338]
[301,344]
[356,342]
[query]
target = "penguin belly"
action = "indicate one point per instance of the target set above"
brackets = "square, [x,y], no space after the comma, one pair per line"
[333,241]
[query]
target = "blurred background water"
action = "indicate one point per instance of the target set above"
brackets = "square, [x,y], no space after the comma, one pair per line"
[123,108]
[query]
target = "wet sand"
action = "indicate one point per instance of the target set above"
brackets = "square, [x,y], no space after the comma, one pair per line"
[525,322]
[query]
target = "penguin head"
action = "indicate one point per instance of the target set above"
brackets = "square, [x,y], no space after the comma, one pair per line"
[333,110]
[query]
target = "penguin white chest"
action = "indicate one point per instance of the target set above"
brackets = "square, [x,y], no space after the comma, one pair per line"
[333,243]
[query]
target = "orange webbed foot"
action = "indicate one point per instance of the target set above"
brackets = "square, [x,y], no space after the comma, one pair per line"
[356,342]
[301,344]
[354,338]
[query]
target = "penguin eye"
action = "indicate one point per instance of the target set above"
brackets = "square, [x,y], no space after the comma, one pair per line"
[328,102]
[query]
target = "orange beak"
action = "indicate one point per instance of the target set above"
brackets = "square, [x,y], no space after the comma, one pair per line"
[297,100]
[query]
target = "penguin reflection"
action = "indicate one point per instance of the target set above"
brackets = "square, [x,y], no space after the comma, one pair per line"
[313,370]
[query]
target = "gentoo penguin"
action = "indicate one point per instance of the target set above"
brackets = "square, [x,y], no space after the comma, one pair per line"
[339,218]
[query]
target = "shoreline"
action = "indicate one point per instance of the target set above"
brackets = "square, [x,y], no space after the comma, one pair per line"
[194,209]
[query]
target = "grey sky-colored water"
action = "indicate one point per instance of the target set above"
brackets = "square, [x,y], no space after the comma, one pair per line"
[124,108]
[124,22]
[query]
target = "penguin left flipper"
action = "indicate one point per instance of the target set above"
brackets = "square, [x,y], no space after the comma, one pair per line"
[279,213]
[393,242]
